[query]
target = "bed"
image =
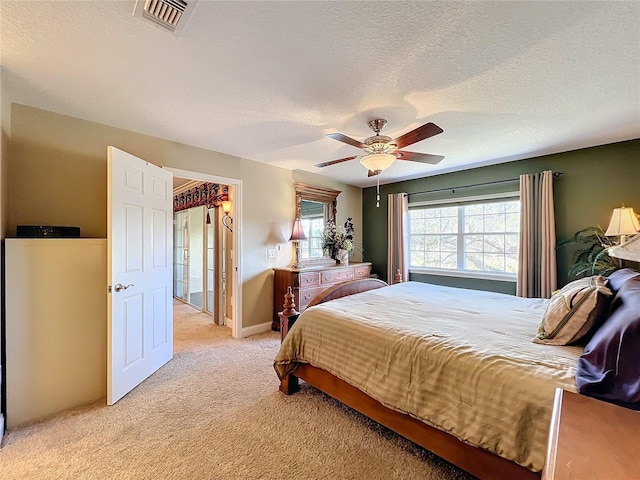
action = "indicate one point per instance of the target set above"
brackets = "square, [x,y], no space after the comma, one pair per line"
[453,370]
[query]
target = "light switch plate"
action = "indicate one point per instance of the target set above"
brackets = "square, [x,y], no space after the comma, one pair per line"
[271,253]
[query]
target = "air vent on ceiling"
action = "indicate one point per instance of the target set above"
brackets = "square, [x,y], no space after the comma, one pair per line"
[169,14]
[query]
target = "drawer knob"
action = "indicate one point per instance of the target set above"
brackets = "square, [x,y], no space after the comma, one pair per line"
[307,296]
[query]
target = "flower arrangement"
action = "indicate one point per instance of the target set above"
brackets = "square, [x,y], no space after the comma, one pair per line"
[338,237]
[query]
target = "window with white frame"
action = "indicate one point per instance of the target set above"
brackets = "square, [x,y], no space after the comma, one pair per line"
[474,236]
[313,229]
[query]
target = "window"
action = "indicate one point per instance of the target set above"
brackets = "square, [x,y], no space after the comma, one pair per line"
[475,237]
[313,228]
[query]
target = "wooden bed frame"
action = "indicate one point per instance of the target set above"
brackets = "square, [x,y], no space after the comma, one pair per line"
[481,463]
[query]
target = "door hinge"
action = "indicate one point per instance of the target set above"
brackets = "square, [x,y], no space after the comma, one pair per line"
[108,288]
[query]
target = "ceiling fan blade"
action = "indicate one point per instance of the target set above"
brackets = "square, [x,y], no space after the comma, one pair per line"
[418,157]
[425,131]
[333,162]
[371,173]
[344,139]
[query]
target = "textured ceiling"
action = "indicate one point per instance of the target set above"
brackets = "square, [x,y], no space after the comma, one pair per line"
[267,80]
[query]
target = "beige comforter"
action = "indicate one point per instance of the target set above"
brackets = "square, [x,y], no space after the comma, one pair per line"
[459,360]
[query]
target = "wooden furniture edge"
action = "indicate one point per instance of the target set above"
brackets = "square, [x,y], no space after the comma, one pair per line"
[478,462]
[344,289]
[591,438]
[554,429]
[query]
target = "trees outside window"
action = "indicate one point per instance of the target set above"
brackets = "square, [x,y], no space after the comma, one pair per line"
[471,237]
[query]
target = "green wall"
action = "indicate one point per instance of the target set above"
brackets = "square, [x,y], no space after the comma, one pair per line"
[595,181]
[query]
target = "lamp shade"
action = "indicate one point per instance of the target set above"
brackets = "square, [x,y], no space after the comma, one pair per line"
[377,161]
[226,206]
[623,222]
[297,233]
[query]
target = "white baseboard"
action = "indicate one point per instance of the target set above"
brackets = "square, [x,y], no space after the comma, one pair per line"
[255,329]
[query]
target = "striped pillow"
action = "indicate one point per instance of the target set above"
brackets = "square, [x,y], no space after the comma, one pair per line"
[573,311]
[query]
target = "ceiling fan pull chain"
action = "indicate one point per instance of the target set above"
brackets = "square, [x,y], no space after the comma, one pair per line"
[378,193]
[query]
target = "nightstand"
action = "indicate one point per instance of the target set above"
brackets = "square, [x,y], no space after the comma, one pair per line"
[592,439]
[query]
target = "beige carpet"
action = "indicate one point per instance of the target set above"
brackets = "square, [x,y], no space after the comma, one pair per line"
[214,412]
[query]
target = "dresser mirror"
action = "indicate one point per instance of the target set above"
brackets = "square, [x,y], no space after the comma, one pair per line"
[315,206]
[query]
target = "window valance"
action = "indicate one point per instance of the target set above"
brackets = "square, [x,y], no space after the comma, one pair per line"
[206,194]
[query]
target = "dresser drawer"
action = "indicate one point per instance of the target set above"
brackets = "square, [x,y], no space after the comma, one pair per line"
[361,271]
[307,294]
[336,276]
[309,279]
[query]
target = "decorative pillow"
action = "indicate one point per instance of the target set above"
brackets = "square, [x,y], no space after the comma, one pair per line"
[573,311]
[609,368]
[617,279]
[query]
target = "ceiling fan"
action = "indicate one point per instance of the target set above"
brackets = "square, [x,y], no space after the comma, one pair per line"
[381,151]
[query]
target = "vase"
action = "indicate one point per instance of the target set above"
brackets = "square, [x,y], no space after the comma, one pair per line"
[343,257]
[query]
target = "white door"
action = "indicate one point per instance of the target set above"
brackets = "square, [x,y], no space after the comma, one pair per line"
[140,239]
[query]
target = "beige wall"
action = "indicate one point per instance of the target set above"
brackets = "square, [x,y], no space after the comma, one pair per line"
[56,348]
[57,176]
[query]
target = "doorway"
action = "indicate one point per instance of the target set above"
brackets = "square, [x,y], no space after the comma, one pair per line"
[201,255]
[213,285]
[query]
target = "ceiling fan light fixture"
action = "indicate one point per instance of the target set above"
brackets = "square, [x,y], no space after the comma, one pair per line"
[377,161]
[381,151]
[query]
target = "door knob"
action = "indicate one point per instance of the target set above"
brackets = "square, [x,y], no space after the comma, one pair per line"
[119,287]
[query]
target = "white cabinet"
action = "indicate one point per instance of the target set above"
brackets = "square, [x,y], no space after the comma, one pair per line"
[56,328]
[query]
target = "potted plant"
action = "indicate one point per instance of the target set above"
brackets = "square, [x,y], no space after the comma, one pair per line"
[591,257]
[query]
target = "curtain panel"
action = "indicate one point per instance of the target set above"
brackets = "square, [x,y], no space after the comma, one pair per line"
[537,275]
[398,237]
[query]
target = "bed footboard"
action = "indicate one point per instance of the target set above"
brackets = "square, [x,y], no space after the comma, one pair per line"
[347,288]
[289,384]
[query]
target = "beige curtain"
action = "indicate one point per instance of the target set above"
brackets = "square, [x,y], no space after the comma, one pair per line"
[537,257]
[398,237]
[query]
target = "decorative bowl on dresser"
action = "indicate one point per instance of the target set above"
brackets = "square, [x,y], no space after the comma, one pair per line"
[308,282]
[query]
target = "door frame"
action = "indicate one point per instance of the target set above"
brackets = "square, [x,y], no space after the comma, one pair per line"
[236,266]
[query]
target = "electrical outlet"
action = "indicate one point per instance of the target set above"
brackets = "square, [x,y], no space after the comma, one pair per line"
[271,253]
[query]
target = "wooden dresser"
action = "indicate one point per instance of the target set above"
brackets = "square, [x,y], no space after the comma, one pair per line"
[306,283]
[591,439]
